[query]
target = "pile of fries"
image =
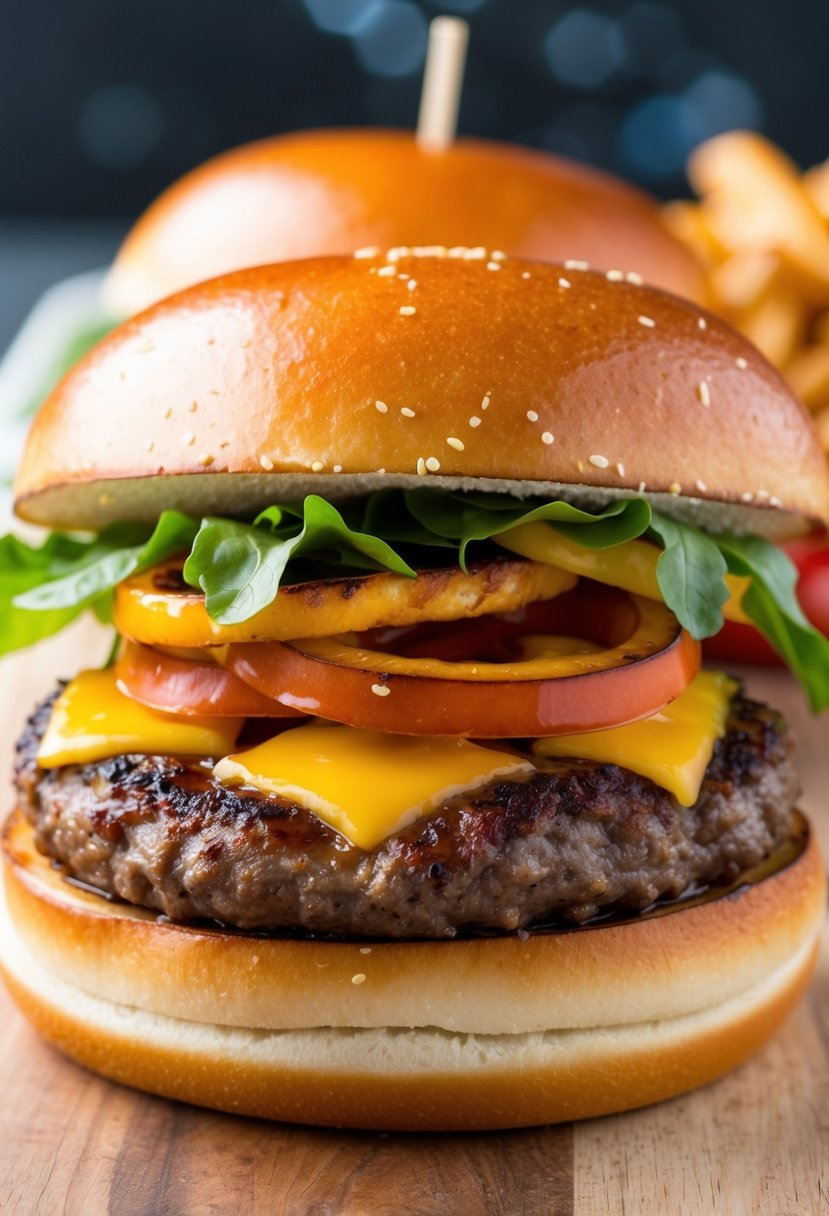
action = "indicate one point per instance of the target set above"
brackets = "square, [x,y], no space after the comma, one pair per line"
[761,228]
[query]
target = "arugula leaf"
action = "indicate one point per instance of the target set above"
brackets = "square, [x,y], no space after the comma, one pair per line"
[82,580]
[690,574]
[45,588]
[326,532]
[771,603]
[476,517]
[239,566]
[24,568]
[114,555]
[387,513]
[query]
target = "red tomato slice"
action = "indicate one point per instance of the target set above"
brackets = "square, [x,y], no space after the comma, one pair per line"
[647,661]
[184,687]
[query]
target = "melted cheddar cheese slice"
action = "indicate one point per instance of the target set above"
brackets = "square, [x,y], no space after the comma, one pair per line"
[368,785]
[93,720]
[364,784]
[631,566]
[673,748]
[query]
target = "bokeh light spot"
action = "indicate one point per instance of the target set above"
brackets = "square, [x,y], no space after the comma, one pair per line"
[658,134]
[391,41]
[722,101]
[340,16]
[584,48]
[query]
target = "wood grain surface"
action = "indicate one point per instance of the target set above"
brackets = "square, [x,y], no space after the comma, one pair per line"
[753,1144]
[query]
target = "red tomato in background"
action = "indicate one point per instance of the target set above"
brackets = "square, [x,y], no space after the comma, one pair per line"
[737,643]
[743,644]
[813,591]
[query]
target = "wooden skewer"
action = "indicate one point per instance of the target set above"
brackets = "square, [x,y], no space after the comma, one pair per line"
[442,81]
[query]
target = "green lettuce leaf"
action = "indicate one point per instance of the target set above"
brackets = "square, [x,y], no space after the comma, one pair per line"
[239,567]
[114,555]
[690,574]
[387,513]
[24,568]
[46,587]
[468,518]
[771,603]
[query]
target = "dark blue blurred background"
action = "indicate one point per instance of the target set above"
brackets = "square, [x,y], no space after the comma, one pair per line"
[104,102]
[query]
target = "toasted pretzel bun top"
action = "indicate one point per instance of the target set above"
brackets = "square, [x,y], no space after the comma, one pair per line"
[324,192]
[342,375]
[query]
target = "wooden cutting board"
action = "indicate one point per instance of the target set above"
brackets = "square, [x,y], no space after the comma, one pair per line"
[753,1144]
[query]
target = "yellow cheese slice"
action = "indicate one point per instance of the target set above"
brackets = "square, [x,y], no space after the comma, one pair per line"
[631,566]
[92,720]
[364,784]
[673,748]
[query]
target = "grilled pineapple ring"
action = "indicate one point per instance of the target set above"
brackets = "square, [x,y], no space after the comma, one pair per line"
[157,608]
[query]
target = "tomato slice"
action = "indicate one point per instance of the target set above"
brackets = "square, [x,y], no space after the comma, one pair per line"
[646,659]
[181,686]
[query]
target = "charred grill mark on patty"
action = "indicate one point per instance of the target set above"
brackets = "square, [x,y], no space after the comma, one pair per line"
[574,838]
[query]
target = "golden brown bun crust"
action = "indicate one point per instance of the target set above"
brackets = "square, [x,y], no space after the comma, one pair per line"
[327,192]
[274,375]
[611,1073]
[426,1078]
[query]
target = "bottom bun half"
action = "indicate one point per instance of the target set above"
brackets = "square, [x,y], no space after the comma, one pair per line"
[464,1035]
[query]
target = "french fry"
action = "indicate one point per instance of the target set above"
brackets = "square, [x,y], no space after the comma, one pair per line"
[761,230]
[687,222]
[820,327]
[744,278]
[753,199]
[808,375]
[776,326]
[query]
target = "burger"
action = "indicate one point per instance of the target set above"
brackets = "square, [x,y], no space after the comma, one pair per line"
[331,192]
[404,802]
[308,193]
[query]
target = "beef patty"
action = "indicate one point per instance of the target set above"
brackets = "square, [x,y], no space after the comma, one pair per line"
[570,840]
